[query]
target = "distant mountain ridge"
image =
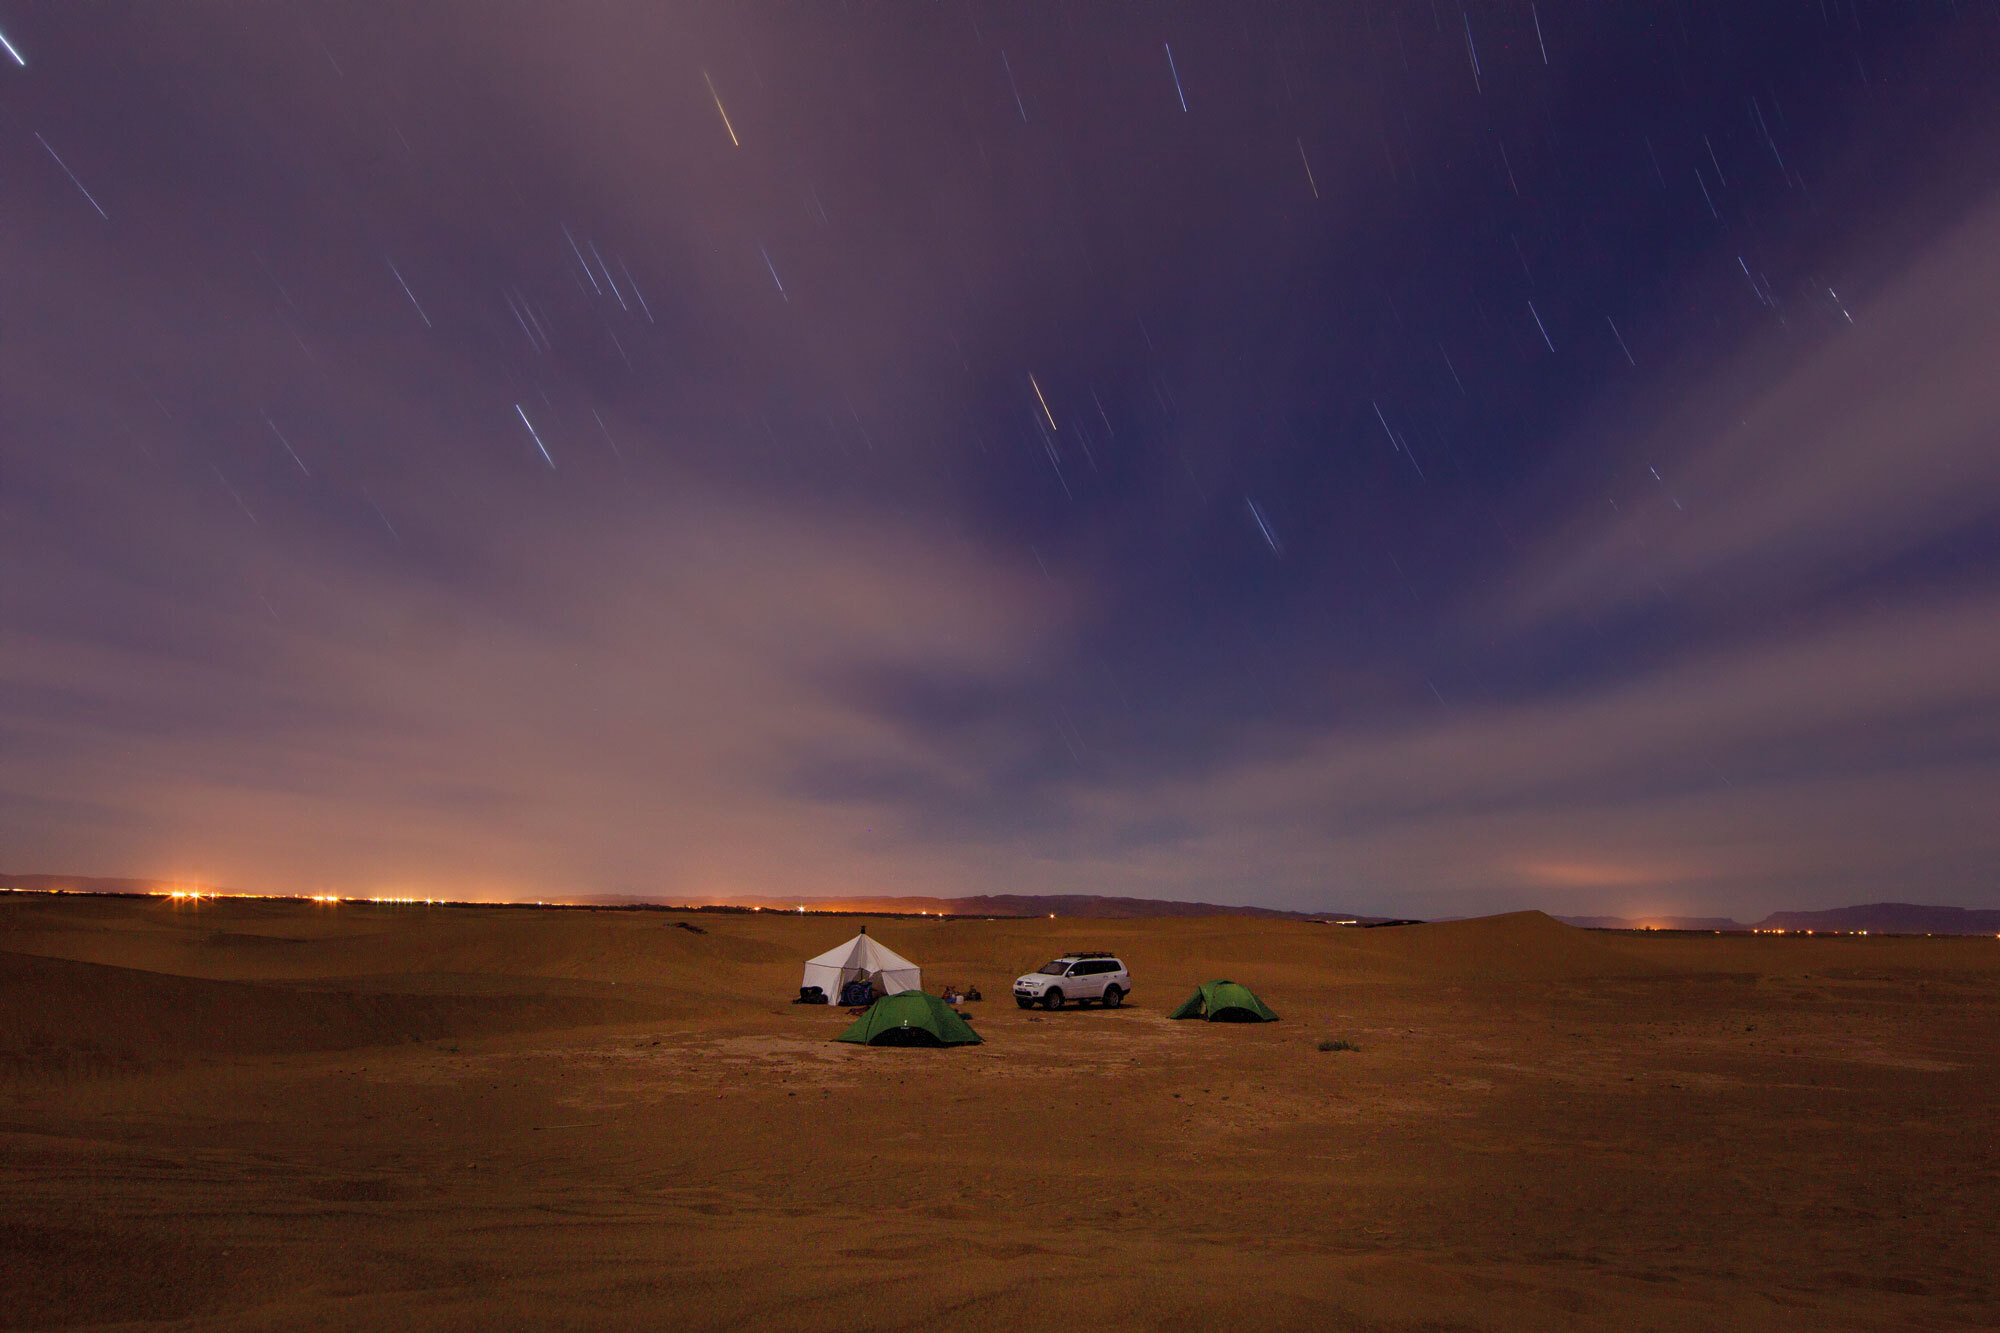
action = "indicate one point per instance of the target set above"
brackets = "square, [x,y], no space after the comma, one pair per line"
[1654,922]
[1892,918]
[1875,918]
[1014,904]
[1021,905]
[84,884]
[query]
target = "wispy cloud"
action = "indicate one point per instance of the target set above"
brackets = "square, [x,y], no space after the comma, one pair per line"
[1875,444]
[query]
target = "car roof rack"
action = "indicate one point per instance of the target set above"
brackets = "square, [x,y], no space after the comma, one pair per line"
[1090,953]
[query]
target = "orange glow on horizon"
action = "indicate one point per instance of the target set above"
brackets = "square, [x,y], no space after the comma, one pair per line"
[1566,874]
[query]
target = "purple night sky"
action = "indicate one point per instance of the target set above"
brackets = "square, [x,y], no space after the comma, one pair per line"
[1403,457]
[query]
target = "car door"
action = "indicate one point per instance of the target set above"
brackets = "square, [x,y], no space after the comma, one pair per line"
[1090,986]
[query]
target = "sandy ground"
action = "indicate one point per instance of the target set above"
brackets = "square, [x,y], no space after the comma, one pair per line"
[247,1115]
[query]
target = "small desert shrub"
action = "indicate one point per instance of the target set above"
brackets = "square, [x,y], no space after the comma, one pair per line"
[1338,1044]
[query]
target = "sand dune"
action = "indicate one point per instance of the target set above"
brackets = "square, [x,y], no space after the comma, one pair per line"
[70,1017]
[262,1115]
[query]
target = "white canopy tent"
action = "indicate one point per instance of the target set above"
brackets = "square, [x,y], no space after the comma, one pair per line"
[861,958]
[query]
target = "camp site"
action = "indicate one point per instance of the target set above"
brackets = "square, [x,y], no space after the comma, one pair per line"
[882,991]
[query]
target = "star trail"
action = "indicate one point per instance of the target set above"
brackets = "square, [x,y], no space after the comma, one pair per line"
[1401,457]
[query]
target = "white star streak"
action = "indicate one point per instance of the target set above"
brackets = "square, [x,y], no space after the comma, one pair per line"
[1043,401]
[634,284]
[71,174]
[535,436]
[1013,87]
[607,277]
[412,295]
[733,140]
[1270,539]
[1175,71]
[581,260]
[1621,343]
[287,443]
[1540,325]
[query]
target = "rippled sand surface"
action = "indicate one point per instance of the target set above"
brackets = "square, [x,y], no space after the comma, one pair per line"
[264,1115]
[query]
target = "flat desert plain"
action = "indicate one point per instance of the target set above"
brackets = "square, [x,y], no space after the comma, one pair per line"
[277,1115]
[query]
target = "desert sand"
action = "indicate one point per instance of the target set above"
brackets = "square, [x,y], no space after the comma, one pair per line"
[274,1115]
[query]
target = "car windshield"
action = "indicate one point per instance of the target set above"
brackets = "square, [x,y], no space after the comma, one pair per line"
[1054,969]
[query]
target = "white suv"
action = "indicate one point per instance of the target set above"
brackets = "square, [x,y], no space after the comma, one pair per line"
[1081,977]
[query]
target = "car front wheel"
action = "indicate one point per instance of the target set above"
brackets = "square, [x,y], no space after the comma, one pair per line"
[1113,997]
[1053,1000]
[1025,1004]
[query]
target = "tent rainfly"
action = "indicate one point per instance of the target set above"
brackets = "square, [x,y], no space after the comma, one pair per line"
[862,959]
[911,1018]
[1224,1002]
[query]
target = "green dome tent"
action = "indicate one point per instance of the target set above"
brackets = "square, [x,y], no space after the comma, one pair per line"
[1224,1002]
[911,1018]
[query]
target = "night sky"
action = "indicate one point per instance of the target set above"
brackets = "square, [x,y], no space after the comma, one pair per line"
[1401,457]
